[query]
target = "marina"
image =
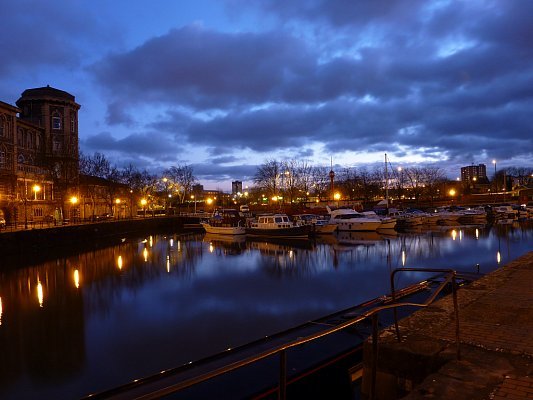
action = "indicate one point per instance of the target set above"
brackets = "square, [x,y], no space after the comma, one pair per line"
[155,302]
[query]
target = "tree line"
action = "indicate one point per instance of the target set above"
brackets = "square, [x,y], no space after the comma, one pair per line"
[293,181]
[298,180]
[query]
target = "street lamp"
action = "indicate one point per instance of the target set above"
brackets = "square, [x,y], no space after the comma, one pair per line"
[143,204]
[495,183]
[117,210]
[337,197]
[73,201]
[194,198]
[36,189]
[452,193]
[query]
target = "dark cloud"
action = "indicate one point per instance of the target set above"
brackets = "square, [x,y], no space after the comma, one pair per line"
[150,144]
[203,69]
[221,173]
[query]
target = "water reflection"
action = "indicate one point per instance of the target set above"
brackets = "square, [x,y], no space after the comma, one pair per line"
[104,317]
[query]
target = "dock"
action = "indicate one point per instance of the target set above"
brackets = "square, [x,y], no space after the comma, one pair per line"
[495,359]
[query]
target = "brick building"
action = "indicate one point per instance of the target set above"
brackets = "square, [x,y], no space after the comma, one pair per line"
[39,157]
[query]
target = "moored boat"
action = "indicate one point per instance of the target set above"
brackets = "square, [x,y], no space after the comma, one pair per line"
[225,222]
[351,220]
[318,224]
[277,225]
[386,222]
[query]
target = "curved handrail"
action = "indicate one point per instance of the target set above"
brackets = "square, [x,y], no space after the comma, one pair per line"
[281,349]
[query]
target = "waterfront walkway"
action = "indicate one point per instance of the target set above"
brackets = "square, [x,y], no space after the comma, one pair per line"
[496,336]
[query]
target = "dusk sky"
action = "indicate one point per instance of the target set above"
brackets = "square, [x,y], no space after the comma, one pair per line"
[226,85]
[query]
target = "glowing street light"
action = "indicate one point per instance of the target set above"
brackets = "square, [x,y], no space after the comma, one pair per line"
[36,189]
[143,204]
[117,210]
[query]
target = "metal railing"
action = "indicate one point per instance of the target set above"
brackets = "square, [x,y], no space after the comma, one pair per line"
[449,277]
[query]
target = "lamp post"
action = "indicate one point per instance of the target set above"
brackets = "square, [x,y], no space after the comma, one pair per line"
[117,209]
[495,183]
[73,202]
[194,198]
[452,193]
[143,204]
[337,197]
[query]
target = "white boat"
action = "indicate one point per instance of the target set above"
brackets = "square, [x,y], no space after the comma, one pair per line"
[277,225]
[405,219]
[225,222]
[350,220]
[476,215]
[505,211]
[448,217]
[386,222]
[318,224]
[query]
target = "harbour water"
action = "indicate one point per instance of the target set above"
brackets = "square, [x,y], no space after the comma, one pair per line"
[85,323]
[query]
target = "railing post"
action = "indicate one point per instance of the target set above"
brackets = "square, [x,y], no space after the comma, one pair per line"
[374,356]
[282,394]
[395,311]
[456,309]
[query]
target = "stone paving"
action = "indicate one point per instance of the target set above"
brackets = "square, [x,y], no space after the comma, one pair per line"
[496,333]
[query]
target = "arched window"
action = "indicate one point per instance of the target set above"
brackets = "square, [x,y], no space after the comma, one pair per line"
[20,159]
[56,121]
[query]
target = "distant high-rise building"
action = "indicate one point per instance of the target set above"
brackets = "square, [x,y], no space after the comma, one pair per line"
[236,187]
[474,173]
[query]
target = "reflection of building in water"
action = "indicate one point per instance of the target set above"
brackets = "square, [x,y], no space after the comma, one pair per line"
[42,330]
[43,309]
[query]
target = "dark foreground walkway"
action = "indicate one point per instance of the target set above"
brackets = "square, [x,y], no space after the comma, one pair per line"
[496,333]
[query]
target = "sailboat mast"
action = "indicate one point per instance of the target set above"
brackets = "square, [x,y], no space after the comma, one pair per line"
[386,184]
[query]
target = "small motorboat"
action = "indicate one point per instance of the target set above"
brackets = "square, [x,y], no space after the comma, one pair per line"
[277,225]
[225,222]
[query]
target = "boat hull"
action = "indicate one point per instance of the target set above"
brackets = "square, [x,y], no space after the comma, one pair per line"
[354,225]
[323,229]
[224,230]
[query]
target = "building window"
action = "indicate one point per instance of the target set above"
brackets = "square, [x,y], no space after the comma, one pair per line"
[72,125]
[2,123]
[56,123]
[21,159]
[38,212]
[2,158]
[20,135]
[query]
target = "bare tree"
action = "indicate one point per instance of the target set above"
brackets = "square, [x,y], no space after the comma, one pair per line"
[180,180]
[267,176]
[432,178]
[304,178]
[415,179]
[321,182]
[350,183]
